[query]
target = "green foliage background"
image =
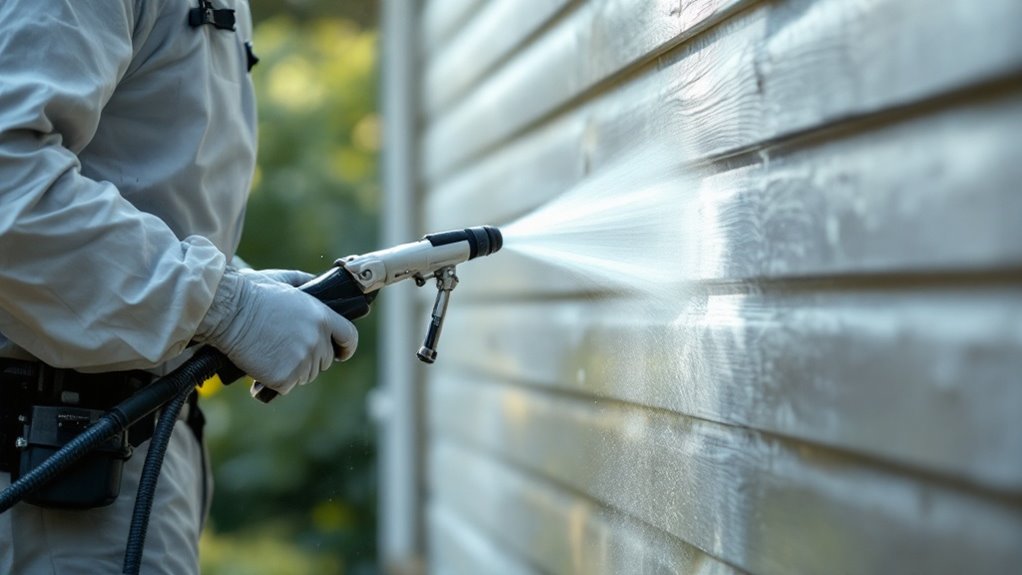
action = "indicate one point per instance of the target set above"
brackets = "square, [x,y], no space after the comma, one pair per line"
[295,480]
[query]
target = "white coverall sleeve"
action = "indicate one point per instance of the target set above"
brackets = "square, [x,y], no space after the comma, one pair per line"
[87,281]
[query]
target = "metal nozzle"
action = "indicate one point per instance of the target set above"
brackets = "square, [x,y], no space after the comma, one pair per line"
[434,255]
[423,258]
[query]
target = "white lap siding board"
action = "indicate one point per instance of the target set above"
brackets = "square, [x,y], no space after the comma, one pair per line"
[836,388]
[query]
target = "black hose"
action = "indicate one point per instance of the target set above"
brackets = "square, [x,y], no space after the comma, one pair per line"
[148,480]
[206,362]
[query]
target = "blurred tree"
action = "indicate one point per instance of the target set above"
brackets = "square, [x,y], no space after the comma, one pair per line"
[295,480]
[364,13]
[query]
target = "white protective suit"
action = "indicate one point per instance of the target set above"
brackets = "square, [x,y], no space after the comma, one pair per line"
[127,145]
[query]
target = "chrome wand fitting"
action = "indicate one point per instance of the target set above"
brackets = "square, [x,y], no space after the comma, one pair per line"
[446,281]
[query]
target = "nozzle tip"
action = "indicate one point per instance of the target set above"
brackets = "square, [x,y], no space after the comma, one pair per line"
[484,240]
[495,237]
[426,355]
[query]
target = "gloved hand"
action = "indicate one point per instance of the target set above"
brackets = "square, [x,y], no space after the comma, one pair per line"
[293,278]
[275,333]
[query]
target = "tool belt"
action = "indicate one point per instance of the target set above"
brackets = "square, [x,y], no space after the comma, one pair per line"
[42,408]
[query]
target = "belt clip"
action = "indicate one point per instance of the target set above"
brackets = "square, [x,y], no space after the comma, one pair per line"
[219,18]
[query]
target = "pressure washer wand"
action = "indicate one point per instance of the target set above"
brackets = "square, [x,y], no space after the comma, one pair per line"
[351,285]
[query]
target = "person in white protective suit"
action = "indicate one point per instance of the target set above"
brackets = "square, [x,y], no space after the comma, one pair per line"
[127,146]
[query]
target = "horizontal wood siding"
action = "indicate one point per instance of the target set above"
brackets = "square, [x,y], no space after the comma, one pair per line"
[501,26]
[459,547]
[774,69]
[442,20]
[558,530]
[753,500]
[831,367]
[837,207]
[834,385]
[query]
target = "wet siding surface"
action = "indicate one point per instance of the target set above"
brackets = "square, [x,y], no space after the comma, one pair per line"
[837,386]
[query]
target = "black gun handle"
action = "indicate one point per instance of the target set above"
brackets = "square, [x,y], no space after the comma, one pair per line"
[262,393]
[230,373]
[340,292]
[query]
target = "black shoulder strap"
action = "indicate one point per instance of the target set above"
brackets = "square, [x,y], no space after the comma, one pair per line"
[219,18]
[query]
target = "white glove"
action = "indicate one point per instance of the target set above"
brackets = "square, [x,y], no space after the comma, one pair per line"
[275,333]
[294,278]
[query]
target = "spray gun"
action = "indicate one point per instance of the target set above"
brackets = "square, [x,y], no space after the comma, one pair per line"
[352,284]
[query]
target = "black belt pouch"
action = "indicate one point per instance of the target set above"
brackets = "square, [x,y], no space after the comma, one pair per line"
[93,481]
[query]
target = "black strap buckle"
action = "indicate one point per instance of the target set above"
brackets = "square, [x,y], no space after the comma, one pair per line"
[219,18]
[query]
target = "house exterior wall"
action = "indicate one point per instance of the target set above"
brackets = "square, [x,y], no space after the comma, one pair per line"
[836,388]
